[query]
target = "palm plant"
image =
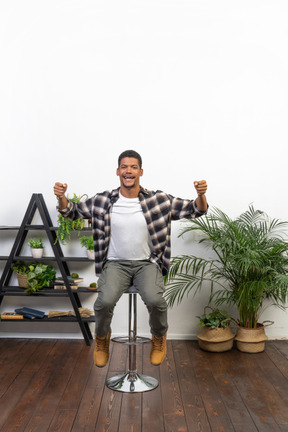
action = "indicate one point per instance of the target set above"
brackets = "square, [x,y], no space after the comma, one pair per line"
[250,263]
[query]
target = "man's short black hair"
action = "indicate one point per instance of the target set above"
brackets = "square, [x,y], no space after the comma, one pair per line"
[131,154]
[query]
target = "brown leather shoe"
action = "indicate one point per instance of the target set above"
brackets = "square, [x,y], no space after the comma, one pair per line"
[158,349]
[101,350]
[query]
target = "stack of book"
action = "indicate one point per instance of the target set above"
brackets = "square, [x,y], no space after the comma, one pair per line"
[30,313]
[59,283]
[22,313]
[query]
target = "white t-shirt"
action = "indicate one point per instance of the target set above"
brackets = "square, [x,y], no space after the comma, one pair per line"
[130,238]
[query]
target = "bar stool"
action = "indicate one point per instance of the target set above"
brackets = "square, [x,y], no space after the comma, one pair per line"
[131,381]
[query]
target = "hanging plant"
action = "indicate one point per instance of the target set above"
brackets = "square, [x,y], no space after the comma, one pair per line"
[66,226]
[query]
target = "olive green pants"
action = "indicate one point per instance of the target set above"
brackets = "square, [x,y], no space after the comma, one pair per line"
[116,278]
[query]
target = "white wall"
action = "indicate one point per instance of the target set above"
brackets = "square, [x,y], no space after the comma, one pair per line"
[199,88]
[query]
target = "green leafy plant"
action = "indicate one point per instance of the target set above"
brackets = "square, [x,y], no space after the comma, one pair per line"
[66,226]
[20,267]
[217,318]
[250,263]
[39,275]
[87,242]
[36,243]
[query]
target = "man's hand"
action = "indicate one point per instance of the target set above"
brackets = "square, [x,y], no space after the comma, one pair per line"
[201,187]
[60,189]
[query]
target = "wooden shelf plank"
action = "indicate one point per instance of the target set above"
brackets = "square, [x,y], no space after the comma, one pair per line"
[43,259]
[17,291]
[35,227]
[54,319]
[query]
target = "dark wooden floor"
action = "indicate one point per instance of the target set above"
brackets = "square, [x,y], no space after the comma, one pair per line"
[52,385]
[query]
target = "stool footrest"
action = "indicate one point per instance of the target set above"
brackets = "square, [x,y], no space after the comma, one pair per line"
[132,382]
[126,340]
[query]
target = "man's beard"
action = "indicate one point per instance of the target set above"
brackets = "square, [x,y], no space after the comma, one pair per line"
[129,186]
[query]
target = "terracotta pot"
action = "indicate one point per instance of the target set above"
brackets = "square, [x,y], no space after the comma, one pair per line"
[251,340]
[215,340]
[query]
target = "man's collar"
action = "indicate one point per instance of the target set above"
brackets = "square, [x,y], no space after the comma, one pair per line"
[144,191]
[115,192]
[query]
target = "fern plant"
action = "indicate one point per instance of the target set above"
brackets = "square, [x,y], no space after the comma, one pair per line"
[250,263]
[66,226]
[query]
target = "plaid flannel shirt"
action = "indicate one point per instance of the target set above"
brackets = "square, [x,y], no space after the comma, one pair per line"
[159,210]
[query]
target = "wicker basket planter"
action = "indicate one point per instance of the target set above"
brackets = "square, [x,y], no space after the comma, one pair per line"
[215,340]
[22,280]
[251,340]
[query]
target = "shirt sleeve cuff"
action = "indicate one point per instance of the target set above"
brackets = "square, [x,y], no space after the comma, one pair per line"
[67,210]
[200,212]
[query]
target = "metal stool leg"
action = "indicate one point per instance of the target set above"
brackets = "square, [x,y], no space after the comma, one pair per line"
[132,381]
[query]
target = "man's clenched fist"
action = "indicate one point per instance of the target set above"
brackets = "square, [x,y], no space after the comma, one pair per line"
[60,189]
[201,187]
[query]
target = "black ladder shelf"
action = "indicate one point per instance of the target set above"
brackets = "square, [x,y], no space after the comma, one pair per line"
[37,203]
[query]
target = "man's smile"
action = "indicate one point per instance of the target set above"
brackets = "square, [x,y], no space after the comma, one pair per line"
[129,177]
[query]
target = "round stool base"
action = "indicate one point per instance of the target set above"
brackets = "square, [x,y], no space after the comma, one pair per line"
[132,382]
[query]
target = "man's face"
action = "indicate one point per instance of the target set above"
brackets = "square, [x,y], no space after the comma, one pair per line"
[129,172]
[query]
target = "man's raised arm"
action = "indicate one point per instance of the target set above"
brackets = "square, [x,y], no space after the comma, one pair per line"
[59,191]
[201,188]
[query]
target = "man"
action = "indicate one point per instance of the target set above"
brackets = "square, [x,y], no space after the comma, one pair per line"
[131,231]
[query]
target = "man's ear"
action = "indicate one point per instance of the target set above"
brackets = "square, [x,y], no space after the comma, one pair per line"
[117,172]
[141,172]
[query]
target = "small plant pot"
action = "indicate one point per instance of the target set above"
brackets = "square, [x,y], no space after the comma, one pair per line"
[37,253]
[250,340]
[215,340]
[22,280]
[90,254]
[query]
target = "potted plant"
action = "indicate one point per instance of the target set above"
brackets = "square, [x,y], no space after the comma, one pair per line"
[249,268]
[21,269]
[87,242]
[66,226]
[36,246]
[215,334]
[36,275]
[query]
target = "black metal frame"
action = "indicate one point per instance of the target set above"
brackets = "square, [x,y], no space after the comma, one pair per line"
[37,202]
